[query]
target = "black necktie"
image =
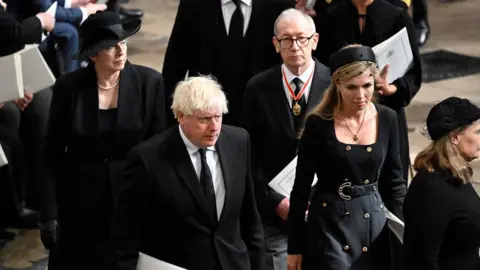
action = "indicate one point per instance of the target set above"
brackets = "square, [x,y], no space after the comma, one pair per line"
[207,184]
[235,32]
[297,119]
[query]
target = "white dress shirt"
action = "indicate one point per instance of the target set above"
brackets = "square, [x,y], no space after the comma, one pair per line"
[215,168]
[228,7]
[303,77]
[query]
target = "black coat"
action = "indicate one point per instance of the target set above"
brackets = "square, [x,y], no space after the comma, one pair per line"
[268,119]
[442,223]
[383,20]
[79,178]
[162,212]
[15,34]
[340,231]
[198,44]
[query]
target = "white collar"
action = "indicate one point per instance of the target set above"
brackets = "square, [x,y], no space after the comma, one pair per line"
[191,148]
[246,2]
[303,77]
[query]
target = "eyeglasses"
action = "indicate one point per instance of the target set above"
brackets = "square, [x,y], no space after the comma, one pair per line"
[287,43]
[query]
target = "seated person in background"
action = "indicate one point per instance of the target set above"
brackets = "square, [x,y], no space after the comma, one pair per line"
[13,211]
[15,34]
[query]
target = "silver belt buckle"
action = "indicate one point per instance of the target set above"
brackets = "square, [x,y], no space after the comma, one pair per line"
[340,191]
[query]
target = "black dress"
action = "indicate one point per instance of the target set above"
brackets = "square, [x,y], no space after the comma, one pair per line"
[382,21]
[346,221]
[442,224]
[84,158]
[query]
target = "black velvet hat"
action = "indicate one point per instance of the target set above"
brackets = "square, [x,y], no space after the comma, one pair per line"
[450,114]
[104,29]
[349,55]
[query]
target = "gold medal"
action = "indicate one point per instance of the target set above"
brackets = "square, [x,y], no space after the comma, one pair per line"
[296,109]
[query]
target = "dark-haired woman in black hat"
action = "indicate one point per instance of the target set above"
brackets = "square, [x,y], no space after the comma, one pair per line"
[442,209]
[351,144]
[97,115]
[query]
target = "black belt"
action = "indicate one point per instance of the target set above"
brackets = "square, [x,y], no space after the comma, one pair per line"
[346,190]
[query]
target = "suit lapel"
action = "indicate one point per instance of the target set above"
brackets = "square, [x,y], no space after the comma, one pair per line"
[129,100]
[86,103]
[280,103]
[184,168]
[223,149]
[320,83]
[254,16]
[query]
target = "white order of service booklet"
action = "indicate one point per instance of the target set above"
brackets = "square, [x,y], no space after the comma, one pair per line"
[24,70]
[146,262]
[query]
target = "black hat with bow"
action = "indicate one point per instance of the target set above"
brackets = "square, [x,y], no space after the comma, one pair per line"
[104,29]
[449,115]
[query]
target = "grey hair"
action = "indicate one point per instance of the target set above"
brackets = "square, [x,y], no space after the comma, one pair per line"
[198,94]
[297,14]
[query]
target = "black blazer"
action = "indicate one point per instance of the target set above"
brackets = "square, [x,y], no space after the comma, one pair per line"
[268,119]
[161,210]
[198,44]
[320,153]
[72,144]
[442,223]
[15,34]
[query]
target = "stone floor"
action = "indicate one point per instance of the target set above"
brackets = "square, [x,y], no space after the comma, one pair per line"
[455,28]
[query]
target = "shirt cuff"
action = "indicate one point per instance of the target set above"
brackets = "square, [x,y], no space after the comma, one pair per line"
[67,4]
[84,14]
[40,19]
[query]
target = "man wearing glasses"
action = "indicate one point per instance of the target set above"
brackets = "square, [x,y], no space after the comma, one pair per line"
[276,104]
[228,39]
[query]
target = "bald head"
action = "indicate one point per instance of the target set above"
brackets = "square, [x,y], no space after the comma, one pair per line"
[294,16]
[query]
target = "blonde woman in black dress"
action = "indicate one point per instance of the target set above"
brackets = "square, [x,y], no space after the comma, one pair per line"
[351,144]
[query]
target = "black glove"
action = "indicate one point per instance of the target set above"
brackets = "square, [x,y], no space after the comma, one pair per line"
[48,234]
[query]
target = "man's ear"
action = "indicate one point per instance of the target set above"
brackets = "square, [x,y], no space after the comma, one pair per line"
[276,44]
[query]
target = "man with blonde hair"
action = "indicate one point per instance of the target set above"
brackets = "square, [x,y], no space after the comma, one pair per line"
[187,196]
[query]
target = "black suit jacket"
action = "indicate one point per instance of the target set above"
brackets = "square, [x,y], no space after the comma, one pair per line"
[442,223]
[198,44]
[74,165]
[15,34]
[161,210]
[268,119]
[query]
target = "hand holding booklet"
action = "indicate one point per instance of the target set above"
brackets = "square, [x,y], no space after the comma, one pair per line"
[52,11]
[397,52]
[25,69]
[146,262]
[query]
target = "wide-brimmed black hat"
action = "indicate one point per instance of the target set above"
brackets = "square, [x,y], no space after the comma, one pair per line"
[104,29]
[450,114]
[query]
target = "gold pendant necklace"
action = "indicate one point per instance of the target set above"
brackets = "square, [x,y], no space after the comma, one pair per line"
[355,136]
